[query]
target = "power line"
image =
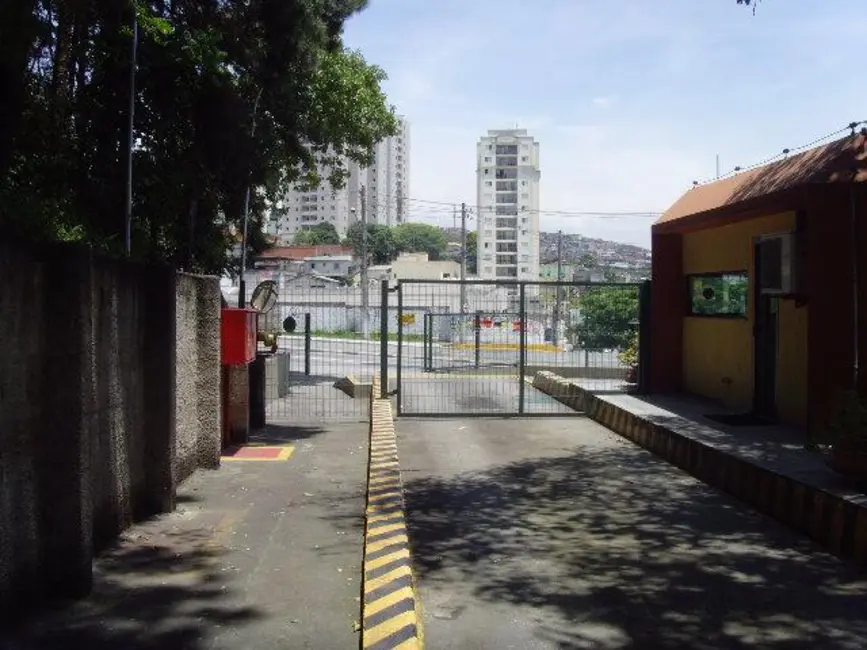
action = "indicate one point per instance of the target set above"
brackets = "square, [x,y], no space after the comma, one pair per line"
[851,127]
[447,206]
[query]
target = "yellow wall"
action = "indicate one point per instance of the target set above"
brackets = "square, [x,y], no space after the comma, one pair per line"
[718,352]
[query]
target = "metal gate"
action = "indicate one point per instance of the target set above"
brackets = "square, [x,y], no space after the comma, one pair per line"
[471,348]
[322,368]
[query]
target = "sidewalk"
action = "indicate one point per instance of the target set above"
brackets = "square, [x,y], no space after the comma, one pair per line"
[259,554]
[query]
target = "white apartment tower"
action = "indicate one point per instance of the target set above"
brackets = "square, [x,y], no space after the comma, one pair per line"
[508,206]
[385,188]
[386,181]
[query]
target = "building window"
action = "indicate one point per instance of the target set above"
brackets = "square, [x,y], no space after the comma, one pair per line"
[719,294]
[488,183]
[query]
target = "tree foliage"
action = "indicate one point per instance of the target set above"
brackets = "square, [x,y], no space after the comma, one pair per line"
[229,93]
[608,317]
[381,247]
[421,238]
[472,252]
[319,235]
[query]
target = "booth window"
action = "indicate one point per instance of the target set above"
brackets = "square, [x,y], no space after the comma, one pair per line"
[719,294]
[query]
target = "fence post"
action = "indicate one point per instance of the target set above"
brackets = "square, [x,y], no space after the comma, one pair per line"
[644,351]
[477,330]
[399,388]
[383,341]
[426,325]
[522,352]
[307,344]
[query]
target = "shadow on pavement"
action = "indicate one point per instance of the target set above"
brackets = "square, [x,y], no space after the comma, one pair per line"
[610,551]
[283,433]
[146,596]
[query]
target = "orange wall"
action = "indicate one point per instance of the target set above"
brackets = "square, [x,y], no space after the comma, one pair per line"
[718,352]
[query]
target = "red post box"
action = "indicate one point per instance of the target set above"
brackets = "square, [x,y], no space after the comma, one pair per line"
[238,329]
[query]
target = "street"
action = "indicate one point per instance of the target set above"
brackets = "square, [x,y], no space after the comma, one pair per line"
[556,533]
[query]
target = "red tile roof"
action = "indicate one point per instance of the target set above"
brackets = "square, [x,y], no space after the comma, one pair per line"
[830,163]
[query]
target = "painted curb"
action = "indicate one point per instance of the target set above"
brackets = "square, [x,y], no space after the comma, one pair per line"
[390,609]
[835,523]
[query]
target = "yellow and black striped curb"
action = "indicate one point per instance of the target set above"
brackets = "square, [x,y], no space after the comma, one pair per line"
[390,612]
[836,523]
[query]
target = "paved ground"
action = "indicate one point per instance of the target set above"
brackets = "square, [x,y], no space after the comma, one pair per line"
[557,533]
[259,555]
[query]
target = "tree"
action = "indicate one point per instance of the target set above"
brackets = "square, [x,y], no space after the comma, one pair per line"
[608,317]
[381,247]
[588,261]
[420,238]
[472,253]
[207,73]
[319,235]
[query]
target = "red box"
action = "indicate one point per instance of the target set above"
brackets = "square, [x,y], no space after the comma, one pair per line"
[238,329]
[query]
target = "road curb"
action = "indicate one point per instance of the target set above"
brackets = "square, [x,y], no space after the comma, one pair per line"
[390,608]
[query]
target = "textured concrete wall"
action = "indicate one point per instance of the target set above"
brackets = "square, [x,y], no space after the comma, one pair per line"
[198,411]
[88,408]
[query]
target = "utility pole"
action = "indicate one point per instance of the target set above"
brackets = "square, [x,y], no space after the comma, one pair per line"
[557,305]
[365,297]
[454,217]
[717,165]
[463,264]
[242,284]
[127,228]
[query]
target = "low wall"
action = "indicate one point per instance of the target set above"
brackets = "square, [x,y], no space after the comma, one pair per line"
[93,437]
[197,375]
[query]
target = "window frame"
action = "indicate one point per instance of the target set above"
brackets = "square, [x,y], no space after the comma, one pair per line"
[718,274]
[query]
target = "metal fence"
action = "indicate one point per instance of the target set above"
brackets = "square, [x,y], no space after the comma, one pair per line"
[482,343]
[448,347]
[323,370]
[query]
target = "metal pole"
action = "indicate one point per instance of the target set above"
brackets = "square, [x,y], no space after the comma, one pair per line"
[383,340]
[399,387]
[477,330]
[522,347]
[463,266]
[557,305]
[856,291]
[307,344]
[242,283]
[428,333]
[365,297]
[127,231]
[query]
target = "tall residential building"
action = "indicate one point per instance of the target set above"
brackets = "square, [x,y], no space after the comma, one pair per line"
[508,205]
[386,181]
[385,188]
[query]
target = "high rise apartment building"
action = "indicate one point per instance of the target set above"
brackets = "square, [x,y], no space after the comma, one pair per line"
[508,205]
[383,187]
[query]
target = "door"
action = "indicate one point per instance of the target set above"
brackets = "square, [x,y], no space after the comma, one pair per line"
[766,334]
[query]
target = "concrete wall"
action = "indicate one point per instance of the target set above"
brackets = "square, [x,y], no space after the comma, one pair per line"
[197,406]
[88,410]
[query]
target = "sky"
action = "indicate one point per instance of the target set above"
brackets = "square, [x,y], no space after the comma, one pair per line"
[630,100]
